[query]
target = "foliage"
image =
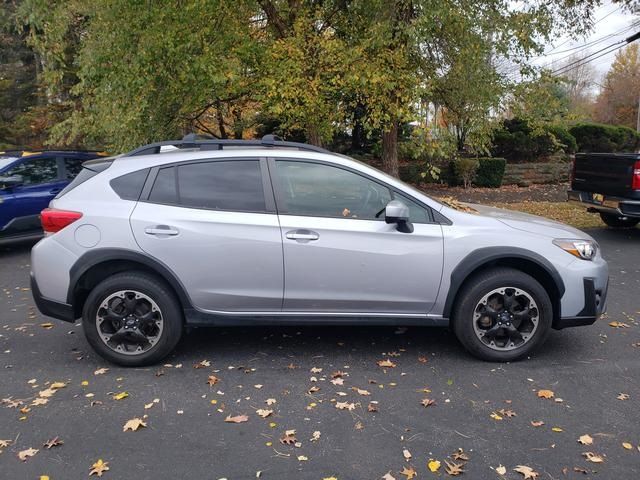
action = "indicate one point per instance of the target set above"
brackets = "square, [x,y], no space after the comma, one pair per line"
[593,137]
[465,170]
[618,100]
[517,140]
[541,100]
[490,172]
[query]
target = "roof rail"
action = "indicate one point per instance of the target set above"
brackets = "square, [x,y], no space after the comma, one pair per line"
[205,142]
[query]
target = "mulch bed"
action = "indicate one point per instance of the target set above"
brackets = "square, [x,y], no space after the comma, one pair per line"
[504,194]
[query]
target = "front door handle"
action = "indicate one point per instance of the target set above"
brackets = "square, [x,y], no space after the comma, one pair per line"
[302,235]
[161,230]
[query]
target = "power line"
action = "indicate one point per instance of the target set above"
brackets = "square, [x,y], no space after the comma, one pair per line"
[595,42]
[579,61]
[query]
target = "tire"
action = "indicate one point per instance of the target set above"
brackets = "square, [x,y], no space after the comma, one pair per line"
[477,289]
[615,221]
[153,297]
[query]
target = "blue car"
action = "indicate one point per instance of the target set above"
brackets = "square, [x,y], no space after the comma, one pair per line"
[28,182]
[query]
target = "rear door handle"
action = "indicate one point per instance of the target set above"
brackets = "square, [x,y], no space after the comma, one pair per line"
[302,235]
[161,230]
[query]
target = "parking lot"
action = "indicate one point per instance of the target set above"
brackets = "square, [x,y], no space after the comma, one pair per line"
[371,419]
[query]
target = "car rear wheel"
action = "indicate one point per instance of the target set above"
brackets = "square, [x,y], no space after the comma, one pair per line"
[502,315]
[132,319]
[615,221]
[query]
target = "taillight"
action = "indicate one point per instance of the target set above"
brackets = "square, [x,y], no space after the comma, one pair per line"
[54,220]
[635,184]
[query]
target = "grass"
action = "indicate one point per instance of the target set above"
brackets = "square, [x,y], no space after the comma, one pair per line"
[574,215]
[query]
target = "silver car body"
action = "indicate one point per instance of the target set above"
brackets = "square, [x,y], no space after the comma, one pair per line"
[242,266]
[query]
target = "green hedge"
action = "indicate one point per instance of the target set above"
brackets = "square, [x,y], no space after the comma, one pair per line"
[595,137]
[490,172]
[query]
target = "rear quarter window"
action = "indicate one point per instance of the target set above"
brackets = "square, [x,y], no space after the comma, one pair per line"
[129,186]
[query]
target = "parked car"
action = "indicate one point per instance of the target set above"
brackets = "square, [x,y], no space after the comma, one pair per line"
[28,182]
[224,232]
[608,184]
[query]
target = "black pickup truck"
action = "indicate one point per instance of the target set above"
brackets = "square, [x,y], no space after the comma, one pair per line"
[608,183]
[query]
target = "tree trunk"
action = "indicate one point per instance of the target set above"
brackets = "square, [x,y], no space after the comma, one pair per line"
[390,150]
[358,133]
[238,126]
[313,135]
[220,119]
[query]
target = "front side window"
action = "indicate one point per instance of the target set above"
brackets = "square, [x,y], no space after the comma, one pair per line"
[36,171]
[222,185]
[313,189]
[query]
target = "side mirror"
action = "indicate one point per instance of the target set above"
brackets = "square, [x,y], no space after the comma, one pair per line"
[12,181]
[398,213]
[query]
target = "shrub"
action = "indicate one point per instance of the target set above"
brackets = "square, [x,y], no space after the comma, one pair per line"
[564,139]
[594,137]
[490,172]
[465,170]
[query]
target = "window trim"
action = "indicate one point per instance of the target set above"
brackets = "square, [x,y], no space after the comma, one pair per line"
[281,200]
[270,206]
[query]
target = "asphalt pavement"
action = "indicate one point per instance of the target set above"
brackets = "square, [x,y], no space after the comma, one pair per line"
[371,419]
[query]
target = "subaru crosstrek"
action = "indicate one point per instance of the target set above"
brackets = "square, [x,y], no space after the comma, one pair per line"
[203,232]
[28,182]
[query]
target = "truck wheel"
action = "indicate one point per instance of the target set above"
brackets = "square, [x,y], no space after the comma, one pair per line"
[615,221]
[502,315]
[132,319]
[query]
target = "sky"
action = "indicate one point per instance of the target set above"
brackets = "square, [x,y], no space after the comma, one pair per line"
[612,24]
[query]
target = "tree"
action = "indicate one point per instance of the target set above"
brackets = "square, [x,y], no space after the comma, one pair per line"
[617,103]
[578,82]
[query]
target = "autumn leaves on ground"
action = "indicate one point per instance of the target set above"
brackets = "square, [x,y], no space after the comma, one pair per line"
[322,403]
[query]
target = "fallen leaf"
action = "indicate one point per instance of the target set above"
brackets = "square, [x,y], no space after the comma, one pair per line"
[99,468]
[270,401]
[623,396]
[585,439]
[345,406]
[387,364]
[263,412]
[315,436]
[388,476]
[507,413]
[592,457]
[316,370]
[454,469]
[47,393]
[408,472]
[212,380]
[101,371]
[4,444]
[495,416]
[406,454]
[337,381]
[501,470]
[361,392]
[545,394]
[372,408]
[618,325]
[537,423]
[236,419]
[527,472]
[29,452]
[120,396]
[202,364]
[359,426]
[133,424]
[289,437]
[57,385]
[423,359]
[313,389]
[302,458]
[54,442]
[434,465]
[427,402]
[556,429]
[627,445]
[47,325]
[460,454]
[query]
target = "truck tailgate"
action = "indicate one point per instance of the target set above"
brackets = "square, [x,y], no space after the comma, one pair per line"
[605,173]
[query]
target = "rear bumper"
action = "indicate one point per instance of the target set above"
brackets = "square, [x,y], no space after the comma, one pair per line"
[51,308]
[608,204]
[594,306]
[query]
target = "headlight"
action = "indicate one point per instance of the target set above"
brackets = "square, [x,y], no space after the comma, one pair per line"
[584,249]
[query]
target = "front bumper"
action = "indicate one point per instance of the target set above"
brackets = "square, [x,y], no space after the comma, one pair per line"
[618,206]
[594,305]
[51,308]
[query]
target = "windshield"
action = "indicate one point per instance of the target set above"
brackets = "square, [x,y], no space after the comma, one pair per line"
[6,161]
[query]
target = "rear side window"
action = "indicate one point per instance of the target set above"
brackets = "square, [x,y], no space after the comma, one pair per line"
[129,186]
[222,185]
[72,167]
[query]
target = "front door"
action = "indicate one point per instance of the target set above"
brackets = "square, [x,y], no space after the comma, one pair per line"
[213,223]
[339,254]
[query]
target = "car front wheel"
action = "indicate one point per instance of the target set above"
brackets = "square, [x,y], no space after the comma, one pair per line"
[132,319]
[502,315]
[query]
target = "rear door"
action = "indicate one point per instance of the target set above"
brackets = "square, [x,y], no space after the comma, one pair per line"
[43,180]
[213,223]
[339,254]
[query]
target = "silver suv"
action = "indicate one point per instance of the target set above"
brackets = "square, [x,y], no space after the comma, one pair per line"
[204,232]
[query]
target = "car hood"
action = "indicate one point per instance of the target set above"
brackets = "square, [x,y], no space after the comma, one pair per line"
[529,223]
